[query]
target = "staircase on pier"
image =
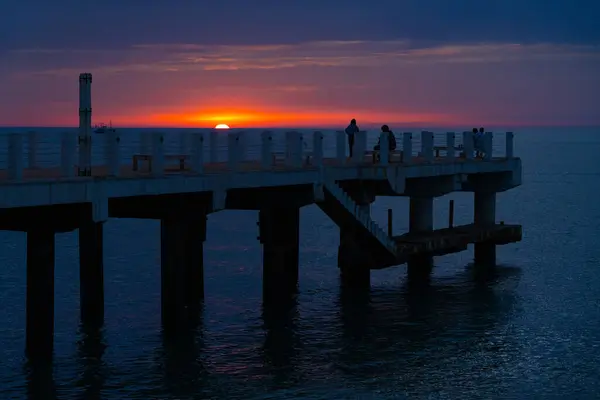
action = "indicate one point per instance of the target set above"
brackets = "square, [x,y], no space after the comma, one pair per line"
[349,216]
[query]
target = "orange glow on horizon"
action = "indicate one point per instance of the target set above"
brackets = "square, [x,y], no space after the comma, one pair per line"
[275,118]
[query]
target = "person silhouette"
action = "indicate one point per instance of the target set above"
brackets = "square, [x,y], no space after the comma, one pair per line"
[478,141]
[350,131]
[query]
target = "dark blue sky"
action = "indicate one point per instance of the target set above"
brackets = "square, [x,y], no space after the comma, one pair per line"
[115,23]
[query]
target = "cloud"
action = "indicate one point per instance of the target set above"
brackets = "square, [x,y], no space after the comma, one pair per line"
[187,57]
[311,81]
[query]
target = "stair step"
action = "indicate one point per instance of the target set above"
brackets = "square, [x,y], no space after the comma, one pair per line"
[365,219]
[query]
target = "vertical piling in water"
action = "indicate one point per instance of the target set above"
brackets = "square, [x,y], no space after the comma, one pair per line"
[354,261]
[91,273]
[182,275]
[195,236]
[451,214]
[390,218]
[420,220]
[39,341]
[279,234]
[485,215]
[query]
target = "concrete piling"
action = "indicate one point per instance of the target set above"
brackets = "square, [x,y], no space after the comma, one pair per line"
[420,220]
[279,234]
[485,215]
[182,281]
[91,273]
[40,294]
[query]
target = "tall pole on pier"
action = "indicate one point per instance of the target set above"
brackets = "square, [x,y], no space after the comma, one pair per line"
[85,125]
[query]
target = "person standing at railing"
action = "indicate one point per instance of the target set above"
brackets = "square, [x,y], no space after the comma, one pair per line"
[478,141]
[350,131]
[391,142]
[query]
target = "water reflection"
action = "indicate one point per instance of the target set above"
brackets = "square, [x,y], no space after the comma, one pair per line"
[281,346]
[40,381]
[180,358]
[415,329]
[90,350]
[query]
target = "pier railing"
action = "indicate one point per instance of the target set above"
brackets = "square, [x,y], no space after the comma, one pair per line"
[230,150]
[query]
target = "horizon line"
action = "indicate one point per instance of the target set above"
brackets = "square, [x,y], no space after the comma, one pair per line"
[328,126]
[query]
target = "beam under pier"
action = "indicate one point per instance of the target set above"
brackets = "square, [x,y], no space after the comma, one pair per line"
[182,271]
[420,220]
[279,234]
[40,293]
[485,215]
[91,273]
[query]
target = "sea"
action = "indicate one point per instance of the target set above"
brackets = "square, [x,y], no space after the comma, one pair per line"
[527,329]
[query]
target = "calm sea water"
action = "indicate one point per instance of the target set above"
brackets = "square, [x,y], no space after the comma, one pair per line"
[529,329]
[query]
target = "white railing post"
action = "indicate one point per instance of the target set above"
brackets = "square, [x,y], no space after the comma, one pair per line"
[340,146]
[468,145]
[114,156]
[427,145]
[266,149]
[197,155]
[488,141]
[450,145]
[360,146]
[406,147]
[158,153]
[510,140]
[67,154]
[32,149]
[212,146]
[317,148]
[233,151]
[384,148]
[15,156]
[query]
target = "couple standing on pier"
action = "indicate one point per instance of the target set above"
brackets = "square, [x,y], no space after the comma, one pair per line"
[478,142]
[352,129]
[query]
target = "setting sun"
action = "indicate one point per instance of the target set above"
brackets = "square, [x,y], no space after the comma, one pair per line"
[222,126]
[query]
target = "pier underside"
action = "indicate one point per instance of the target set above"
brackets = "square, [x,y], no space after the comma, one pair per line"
[363,246]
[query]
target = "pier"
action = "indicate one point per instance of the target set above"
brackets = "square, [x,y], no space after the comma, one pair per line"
[80,179]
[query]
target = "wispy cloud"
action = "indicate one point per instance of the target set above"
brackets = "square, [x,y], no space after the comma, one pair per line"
[198,57]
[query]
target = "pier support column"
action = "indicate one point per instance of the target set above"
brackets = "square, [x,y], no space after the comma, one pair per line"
[420,220]
[40,294]
[91,273]
[279,235]
[354,263]
[485,215]
[182,271]
[194,260]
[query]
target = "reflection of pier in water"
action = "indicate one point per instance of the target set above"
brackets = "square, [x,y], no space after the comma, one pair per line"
[401,333]
[406,334]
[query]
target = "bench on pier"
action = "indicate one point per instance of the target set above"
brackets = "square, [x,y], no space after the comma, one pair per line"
[280,156]
[181,158]
[437,149]
[394,155]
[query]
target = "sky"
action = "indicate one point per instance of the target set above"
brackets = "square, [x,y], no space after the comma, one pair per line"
[318,63]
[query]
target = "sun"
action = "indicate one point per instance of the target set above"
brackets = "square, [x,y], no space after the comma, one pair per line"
[222,126]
